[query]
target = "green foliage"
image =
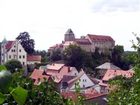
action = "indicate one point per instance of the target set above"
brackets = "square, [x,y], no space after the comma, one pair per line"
[5,80]
[13,65]
[2,67]
[117,55]
[26,42]
[19,94]
[128,89]
[55,55]
[2,98]
[74,56]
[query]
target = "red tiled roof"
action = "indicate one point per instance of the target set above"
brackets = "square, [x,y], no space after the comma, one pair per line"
[55,66]
[9,44]
[38,76]
[33,57]
[100,38]
[59,76]
[112,73]
[83,41]
[74,95]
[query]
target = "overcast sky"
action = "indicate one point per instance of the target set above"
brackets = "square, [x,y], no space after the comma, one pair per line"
[48,20]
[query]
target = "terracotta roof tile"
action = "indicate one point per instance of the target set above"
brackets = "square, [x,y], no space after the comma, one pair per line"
[38,76]
[83,41]
[112,73]
[33,57]
[74,95]
[9,44]
[100,38]
[55,66]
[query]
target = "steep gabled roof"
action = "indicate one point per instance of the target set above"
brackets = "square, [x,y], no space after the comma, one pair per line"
[69,31]
[100,38]
[9,45]
[108,65]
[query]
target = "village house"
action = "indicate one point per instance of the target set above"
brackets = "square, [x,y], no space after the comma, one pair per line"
[56,72]
[104,67]
[69,83]
[14,50]
[88,43]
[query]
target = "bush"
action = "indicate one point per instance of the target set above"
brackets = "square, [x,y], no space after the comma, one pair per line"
[13,65]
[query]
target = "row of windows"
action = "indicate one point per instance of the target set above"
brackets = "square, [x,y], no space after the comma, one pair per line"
[14,56]
[84,80]
[13,50]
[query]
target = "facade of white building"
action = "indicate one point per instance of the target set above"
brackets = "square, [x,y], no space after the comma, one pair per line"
[13,50]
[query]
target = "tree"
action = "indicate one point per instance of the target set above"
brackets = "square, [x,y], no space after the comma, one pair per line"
[74,56]
[128,89]
[55,55]
[26,42]
[13,65]
[117,55]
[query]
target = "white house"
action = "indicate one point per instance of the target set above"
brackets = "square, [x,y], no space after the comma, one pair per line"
[13,50]
[81,80]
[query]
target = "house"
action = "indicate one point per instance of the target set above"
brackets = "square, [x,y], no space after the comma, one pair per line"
[102,42]
[104,67]
[32,59]
[113,73]
[13,50]
[88,43]
[89,97]
[57,71]
[39,76]
[69,83]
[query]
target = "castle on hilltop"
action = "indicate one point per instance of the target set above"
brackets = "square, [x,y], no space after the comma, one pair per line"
[88,43]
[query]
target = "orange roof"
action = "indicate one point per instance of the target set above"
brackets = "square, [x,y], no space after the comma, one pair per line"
[33,57]
[112,73]
[39,76]
[74,95]
[100,38]
[59,76]
[55,66]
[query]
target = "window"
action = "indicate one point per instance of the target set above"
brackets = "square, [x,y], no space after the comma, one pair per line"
[23,56]
[15,56]
[23,63]
[9,56]
[83,86]
[19,50]
[14,46]
[14,50]
[20,56]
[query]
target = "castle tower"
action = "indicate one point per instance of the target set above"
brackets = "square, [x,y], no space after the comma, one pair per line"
[69,35]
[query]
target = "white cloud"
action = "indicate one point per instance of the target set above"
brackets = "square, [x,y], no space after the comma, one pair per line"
[116,5]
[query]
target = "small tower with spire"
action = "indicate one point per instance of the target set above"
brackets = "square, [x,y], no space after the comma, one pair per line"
[3,44]
[69,35]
